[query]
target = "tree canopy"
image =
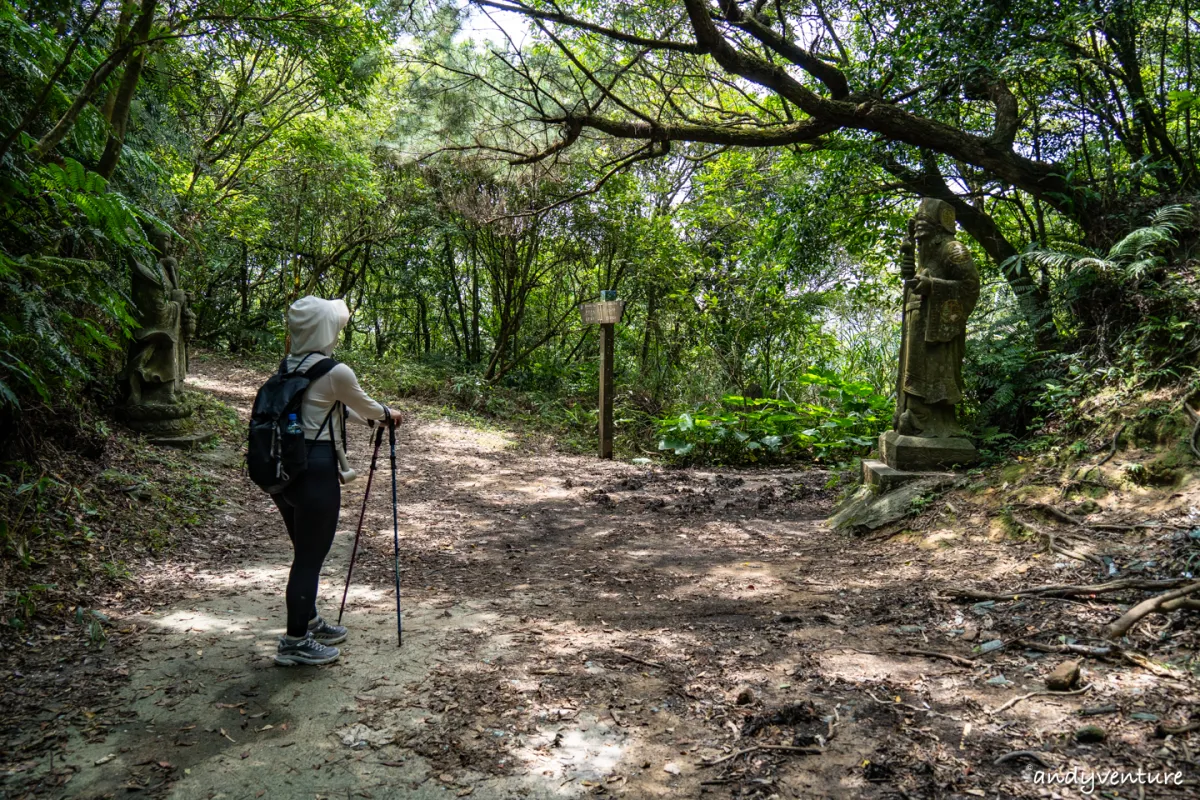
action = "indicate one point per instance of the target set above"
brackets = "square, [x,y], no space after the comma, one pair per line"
[467,174]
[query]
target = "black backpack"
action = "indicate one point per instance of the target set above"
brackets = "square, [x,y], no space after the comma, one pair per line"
[276,457]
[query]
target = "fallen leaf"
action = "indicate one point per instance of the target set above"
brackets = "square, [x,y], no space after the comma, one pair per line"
[671,767]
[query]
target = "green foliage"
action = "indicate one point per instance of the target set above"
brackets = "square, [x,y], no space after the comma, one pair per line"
[1133,306]
[61,318]
[93,623]
[843,420]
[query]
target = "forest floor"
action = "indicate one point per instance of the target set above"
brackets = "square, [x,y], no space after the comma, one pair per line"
[578,627]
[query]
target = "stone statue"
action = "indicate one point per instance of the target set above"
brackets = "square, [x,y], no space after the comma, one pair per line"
[152,381]
[941,288]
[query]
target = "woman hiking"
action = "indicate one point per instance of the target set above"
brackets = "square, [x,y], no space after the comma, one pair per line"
[310,505]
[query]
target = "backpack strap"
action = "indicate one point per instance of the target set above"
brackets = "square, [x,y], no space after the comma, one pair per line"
[283,365]
[319,369]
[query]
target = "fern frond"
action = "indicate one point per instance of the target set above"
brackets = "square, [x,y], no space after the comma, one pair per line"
[1141,241]
[1176,218]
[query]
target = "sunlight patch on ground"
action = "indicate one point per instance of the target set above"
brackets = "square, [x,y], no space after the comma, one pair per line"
[854,666]
[220,387]
[589,750]
[438,435]
[185,621]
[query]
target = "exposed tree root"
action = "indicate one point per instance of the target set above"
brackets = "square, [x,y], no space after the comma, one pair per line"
[1102,651]
[1109,652]
[1040,693]
[959,660]
[1134,526]
[1157,604]
[1030,754]
[1052,543]
[1069,590]
[1077,478]
[783,748]
[1056,513]
[1112,448]
[1163,731]
[911,707]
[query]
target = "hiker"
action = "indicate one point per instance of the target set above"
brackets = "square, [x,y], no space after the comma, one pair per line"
[310,504]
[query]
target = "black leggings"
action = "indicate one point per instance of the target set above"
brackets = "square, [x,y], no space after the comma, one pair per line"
[310,508]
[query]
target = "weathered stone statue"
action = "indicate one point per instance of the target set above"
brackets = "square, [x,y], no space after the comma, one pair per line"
[941,288]
[152,381]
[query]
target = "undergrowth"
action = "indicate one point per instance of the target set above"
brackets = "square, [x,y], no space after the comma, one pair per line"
[72,523]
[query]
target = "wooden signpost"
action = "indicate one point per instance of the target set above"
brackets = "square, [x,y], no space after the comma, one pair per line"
[606,314]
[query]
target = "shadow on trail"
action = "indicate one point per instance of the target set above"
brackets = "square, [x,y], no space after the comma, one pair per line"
[576,627]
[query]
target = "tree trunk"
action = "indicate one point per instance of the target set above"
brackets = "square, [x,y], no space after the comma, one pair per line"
[452,274]
[95,81]
[67,121]
[423,323]
[38,103]
[650,309]
[122,31]
[124,101]
[476,346]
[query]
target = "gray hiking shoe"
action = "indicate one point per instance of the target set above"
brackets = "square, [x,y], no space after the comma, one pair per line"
[306,651]
[325,633]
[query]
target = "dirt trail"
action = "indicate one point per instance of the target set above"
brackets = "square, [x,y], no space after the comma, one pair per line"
[572,627]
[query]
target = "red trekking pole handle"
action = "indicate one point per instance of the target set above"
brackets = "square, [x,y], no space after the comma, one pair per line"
[361,516]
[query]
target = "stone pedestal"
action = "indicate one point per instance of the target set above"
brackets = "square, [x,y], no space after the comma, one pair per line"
[919,454]
[170,416]
[880,478]
[914,469]
[192,441]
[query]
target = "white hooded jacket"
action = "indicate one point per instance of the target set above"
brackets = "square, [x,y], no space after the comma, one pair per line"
[315,325]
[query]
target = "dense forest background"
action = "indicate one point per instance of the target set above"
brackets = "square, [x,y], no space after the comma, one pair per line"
[466,174]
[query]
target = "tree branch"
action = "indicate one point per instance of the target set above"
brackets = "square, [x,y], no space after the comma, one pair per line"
[833,78]
[575,22]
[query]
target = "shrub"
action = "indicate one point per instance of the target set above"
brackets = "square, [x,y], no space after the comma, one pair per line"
[841,421]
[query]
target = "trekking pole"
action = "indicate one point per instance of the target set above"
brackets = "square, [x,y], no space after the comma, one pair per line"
[395,528]
[361,516]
